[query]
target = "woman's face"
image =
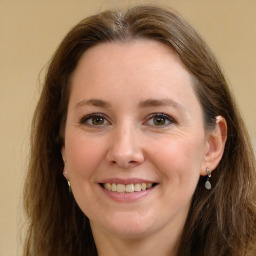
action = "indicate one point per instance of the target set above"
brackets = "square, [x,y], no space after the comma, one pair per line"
[135,142]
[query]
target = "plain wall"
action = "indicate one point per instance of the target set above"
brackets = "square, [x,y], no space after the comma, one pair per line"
[30,32]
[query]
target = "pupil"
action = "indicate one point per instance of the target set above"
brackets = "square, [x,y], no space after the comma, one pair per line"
[98,120]
[159,121]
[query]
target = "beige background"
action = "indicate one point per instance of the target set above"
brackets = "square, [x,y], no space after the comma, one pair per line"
[30,31]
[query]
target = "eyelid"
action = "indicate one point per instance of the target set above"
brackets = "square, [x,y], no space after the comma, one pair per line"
[161,115]
[85,118]
[171,120]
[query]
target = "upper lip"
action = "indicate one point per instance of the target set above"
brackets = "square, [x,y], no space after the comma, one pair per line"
[126,181]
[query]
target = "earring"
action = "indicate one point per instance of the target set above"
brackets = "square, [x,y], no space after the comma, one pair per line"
[208,183]
[69,186]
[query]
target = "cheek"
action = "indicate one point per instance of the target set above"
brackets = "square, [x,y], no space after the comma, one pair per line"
[180,158]
[83,156]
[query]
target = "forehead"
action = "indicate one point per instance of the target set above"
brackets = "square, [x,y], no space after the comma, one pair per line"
[133,48]
[135,57]
[140,67]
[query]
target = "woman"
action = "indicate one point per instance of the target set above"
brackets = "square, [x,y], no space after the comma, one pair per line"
[136,117]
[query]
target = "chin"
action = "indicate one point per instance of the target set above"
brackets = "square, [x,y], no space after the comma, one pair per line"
[131,230]
[128,225]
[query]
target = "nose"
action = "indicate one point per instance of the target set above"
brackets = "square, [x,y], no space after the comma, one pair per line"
[125,150]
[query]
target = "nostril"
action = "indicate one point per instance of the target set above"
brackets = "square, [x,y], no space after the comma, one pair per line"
[124,164]
[132,162]
[124,158]
[113,162]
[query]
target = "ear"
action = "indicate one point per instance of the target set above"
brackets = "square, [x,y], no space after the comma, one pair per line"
[216,140]
[65,172]
[63,153]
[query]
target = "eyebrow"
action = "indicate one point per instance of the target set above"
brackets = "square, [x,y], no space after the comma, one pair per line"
[142,104]
[161,102]
[93,102]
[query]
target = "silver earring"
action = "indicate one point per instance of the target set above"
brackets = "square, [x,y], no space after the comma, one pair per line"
[208,183]
[69,185]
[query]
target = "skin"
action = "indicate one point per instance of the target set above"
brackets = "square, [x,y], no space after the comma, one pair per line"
[118,81]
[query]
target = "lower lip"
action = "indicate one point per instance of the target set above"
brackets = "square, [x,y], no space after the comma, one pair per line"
[127,197]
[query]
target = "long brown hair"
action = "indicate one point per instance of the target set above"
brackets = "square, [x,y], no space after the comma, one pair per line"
[221,221]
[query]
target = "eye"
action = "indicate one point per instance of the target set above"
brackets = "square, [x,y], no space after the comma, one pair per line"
[160,120]
[94,120]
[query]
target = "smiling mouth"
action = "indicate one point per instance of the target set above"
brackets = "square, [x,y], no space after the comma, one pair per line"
[129,188]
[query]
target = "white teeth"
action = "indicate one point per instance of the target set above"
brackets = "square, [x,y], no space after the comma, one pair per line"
[143,186]
[108,186]
[114,188]
[120,188]
[149,185]
[129,188]
[137,187]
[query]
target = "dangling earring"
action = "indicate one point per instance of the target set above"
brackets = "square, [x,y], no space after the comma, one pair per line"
[208,183]
[69,186]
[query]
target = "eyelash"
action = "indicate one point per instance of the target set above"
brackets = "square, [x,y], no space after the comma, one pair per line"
[85,120]
[88,120]
[162,116]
